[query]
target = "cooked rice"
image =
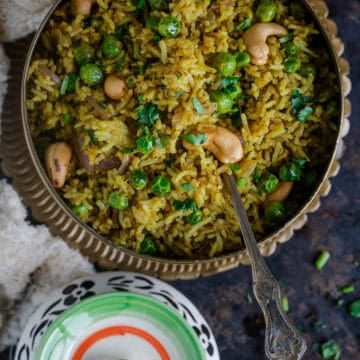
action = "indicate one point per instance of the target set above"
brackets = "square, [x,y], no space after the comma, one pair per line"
[180,70]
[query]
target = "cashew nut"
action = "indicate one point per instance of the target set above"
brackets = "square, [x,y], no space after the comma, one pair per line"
[255,40]
[225,145]
[114,87]
[57,159]
[81,7]
[281,192]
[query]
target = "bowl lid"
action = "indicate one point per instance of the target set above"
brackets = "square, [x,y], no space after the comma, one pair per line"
[117,326]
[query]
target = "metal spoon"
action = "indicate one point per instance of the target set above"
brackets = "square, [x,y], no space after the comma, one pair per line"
[282,340]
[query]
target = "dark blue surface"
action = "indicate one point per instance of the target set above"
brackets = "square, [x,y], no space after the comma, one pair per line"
[312,294]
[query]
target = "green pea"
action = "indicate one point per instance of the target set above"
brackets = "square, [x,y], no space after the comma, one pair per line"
[268,182]
[225,63]
[161,186]
[145,144]
[242,58]
[118,201]
[169,26]
[292,65]
[290,172]
[194,217]
[159,4]
[84,54]
[91,74]
[224,101]
[291,49]
[297,10]
[307,70]
[80,210]
[138,179]
[266,11]
[111,47]
[275,212]
[147,246]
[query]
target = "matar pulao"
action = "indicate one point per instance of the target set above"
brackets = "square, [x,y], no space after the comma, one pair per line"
[138,107]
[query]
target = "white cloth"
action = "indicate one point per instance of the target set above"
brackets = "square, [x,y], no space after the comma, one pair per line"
[33,262]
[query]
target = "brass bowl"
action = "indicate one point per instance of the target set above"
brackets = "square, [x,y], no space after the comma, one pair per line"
[21,162]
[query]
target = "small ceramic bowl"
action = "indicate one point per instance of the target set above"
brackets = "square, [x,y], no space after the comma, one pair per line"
[41,334]
[21,162]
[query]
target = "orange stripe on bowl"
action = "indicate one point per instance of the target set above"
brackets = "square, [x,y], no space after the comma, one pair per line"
[119,330]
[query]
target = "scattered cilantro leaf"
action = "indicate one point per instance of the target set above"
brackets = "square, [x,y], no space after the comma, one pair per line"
[300,163]
[139,4]
[234,167]
[101,104]
[187,187]
[187,204]
[92,136]
[299,106]
[330,350]
[169,162]
[119,65]
[128,150]
[147,115]
[246,23]
[162,141]
[226,81]
[197,106]
[121,31]
[67,119]
[354,309]
[256,176]
[249,298]
[196,140]
[348,289]
[288,37]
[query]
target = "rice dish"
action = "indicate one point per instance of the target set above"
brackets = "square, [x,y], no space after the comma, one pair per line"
[148,103]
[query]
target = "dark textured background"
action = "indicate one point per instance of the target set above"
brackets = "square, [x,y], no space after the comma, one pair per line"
[312,294]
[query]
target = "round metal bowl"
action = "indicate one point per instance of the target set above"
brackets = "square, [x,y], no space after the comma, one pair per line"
[21,162]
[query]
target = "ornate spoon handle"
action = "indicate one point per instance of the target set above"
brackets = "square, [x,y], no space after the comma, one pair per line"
[282,340]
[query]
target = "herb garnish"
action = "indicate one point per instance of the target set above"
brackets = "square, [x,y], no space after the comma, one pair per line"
[92,136]
[299,106]
[196,140]
[246,23]
[187,187]
[197,106]
[147,115]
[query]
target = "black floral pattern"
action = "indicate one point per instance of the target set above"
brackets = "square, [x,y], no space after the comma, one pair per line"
[204,336]
[77,292]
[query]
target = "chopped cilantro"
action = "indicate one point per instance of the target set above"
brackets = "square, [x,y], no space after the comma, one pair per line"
[170,161]
[67,119]
[285,303]
[147,115]
[187,204]
[196,140]
[68,84]
[256,176]
[299,106]
[187,187]
[288,37]
[240,182]
[246,23]
[300,163]
[156,38]
[162,142]
[234,167]
[139,4]
[330,350]
[179,93]
[354,309]
[121,31]
[348,289]
[226,81]
[93,138]
[197,106]
[128,150]
[101,104]
[119,65]
[249,298]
